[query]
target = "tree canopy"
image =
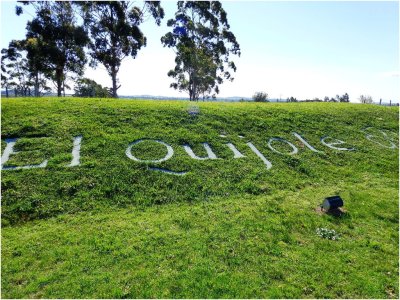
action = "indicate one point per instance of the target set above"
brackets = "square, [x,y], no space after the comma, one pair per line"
[14,70]
[260,97]
[343,98]
[18,72]
[55,42]
[202,42]
[86,87]
[113,27]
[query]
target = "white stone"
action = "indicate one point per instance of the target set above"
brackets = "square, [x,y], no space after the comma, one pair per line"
[9,150]
[335,142]
[168,171]
[284,141]
[306,143]
[260,155]
[235,151]
[371,137]
[169,154]
[76,152]
[210,153]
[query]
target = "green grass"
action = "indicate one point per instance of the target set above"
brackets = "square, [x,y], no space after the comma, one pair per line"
[230,228]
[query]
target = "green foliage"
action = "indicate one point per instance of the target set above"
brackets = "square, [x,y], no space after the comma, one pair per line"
[40,71]
[344,98]
[56,42]
[15,69]
[86,87]
[21,73]
[114,31]
[260,97]
[228,229]
[202,43]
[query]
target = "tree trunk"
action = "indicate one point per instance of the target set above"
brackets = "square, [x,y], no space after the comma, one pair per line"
[36,85]
[114,82]
[191,94]
[59,81]
[7,91]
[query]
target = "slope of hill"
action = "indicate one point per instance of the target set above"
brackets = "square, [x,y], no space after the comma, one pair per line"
[112,199]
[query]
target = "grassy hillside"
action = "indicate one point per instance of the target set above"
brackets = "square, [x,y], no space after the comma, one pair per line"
[227,227]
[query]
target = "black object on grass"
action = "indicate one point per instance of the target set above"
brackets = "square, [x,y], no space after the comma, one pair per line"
[332,203]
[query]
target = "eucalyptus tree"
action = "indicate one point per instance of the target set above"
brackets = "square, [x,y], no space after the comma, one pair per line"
[5,74]
[113,27]
[15,70]
[202,42]
[21,72]
[38,69]
[57,42]
[260,97]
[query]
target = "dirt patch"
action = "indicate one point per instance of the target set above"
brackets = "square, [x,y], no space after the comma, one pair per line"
[337,212]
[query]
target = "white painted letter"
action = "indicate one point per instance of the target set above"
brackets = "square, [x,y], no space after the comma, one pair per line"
[167,156]
[260,155]
[10,150]
[235,151]
[76,152]
[335,142]
[371,136]
[282,140]
[210,153]
[305,142]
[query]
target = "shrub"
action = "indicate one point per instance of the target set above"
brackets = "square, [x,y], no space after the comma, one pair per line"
[260,97]
[86,87]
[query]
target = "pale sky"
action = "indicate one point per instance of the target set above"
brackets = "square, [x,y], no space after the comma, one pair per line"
[299,49]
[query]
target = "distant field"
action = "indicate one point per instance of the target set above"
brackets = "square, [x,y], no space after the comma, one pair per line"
[242,225]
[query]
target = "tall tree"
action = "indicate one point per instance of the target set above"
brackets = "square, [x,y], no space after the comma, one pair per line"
[343,98]
[59,41]
[366,99]
[260,97]
[202,42]
[5,73]
[39,70]
[15,69]
[21,72]
[114,31]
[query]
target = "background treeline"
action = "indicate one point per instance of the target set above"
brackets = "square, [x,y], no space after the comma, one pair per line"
[65,36]
[365,99]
